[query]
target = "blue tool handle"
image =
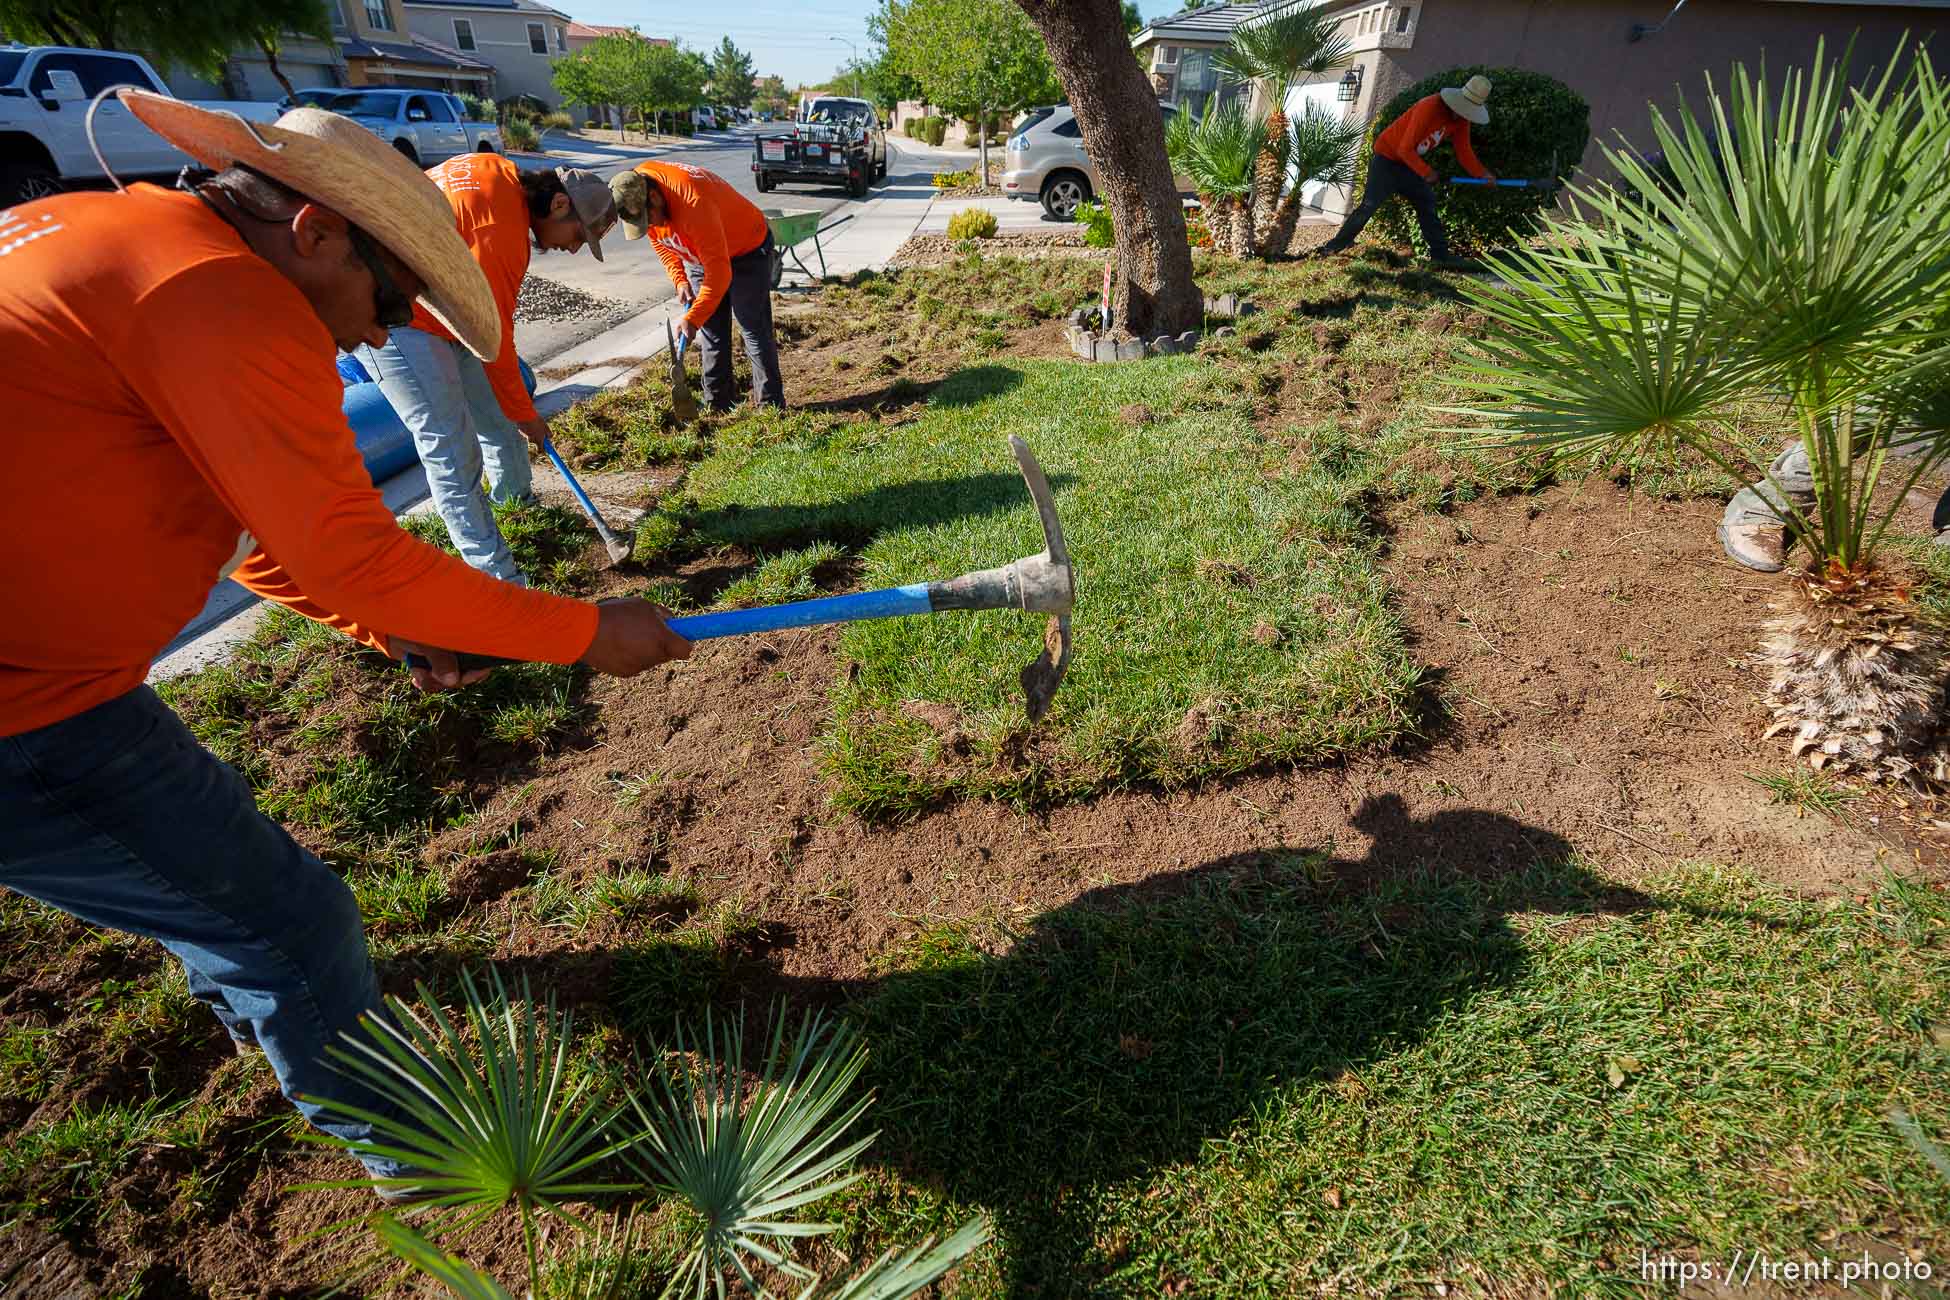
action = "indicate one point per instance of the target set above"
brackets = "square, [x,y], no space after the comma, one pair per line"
[891,602]
[548,445]
[1472,180]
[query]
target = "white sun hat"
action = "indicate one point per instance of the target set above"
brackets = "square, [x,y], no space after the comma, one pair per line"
[338,164]
[1469,100]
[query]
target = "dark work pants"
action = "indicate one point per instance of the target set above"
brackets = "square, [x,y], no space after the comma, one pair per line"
[749,299]
[1386,179]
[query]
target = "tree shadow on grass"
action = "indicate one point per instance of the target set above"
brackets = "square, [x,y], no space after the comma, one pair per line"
[857,519]
[1126,1029]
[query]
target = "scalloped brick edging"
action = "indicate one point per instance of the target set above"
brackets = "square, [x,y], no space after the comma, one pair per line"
[1091,345]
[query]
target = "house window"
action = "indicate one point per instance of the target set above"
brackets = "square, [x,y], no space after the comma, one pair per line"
[537,38]
[1168,56]
[1402,17]
[463,34]
[561,40]
[378,16]
[338,15]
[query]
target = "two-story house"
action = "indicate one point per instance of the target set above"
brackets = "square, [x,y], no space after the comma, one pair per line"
[520,39]
[1622,56]
[1178,52]
[371,46]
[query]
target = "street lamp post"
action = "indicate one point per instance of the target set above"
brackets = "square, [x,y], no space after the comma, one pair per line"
[855,49]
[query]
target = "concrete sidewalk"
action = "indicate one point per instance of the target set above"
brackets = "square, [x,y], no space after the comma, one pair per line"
[866,239]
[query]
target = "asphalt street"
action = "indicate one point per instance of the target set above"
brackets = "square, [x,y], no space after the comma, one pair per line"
[630,272]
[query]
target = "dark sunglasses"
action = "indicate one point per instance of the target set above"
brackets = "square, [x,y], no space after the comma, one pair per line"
[393,309]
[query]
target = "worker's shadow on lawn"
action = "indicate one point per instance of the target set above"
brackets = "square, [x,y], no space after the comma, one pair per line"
[965,387]
[857,519]
[1121,1032]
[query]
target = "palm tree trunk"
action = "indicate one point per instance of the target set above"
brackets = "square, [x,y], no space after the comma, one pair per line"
[1218,219]
[1277,236]
[1271,178]
[1242,227]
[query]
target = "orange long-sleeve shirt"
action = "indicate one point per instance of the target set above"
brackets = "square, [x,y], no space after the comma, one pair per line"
[709,224]
[1426,124]
[175,412]
[492,212]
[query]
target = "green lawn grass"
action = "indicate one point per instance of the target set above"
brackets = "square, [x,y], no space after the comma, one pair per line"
[1215,631]
[1264,1090]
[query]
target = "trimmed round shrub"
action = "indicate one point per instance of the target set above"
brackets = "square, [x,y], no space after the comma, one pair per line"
[1535,120]
[934,130]
[972,223]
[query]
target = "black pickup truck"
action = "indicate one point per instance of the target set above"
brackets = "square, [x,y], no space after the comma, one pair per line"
[835,142]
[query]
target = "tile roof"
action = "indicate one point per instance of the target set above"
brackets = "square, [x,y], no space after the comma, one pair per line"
[1209,22]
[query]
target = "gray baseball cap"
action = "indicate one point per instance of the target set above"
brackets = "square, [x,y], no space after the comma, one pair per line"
[595,209]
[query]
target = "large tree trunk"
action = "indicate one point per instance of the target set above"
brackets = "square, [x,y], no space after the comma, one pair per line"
[1125,136]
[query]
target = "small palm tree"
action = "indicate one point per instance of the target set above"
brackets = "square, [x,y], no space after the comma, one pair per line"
[509,1128]
[1322,147]
[1800,257]
[1220,152]
[1273,55]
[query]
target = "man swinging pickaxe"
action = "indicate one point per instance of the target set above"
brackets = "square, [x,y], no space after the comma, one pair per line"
[1044,583]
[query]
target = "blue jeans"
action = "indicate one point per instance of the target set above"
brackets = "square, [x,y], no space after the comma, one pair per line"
[117,816]
[441,394]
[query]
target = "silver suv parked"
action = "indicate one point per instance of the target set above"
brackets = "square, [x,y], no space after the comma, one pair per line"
[1047,161]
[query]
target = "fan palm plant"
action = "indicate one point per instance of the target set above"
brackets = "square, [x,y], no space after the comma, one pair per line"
[1219,153]
[478,1136]
[1321,149]
[743,1157]
[1799,257]
[1273,55]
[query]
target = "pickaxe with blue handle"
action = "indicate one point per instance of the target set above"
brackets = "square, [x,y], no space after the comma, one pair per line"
[1507,184]
[1044,583]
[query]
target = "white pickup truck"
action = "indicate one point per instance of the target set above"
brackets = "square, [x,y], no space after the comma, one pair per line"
[428,126]
[44,95]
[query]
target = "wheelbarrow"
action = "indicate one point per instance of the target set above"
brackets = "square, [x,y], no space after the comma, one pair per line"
[790,229]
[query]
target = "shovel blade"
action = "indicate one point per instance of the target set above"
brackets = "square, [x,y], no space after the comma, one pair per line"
[1041,678]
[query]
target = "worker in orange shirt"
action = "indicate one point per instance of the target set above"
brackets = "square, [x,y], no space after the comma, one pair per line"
[465,417]
[717,247]
[186,376]
[1398,165]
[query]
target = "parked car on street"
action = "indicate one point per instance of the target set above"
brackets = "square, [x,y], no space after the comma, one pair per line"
[703,118]
[311,97]
[1047,162]
[428,126]
[44,95]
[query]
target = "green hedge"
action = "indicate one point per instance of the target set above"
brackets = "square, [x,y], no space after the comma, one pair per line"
[1534,120]
[934,130]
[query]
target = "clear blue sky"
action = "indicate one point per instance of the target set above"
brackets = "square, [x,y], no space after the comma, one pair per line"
[786,38]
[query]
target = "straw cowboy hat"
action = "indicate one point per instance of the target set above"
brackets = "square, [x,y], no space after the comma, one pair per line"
[338,164]
[1469,101]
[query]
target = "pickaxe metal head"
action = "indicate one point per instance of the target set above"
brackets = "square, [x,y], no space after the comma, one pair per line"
[1049,585]
[1045,583]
